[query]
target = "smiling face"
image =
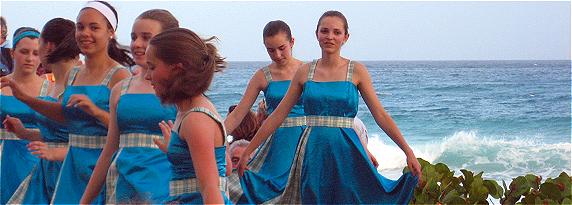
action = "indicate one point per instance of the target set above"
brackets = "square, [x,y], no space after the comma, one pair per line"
[331,34]
[26,55]
[279,48]
[143,30]
[92,32]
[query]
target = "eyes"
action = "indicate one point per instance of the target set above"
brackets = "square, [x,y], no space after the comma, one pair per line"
[26,51]
[144,36]
[92,27]
[272,50]
[335,31]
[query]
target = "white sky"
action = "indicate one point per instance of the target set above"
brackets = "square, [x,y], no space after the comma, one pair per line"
[378,30]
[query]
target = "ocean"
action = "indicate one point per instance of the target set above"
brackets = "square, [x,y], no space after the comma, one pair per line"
[505,118]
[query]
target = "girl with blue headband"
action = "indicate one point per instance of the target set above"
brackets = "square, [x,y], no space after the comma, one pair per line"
[16,161]
[85,102]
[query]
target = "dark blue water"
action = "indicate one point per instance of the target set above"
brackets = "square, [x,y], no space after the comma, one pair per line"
[505,118]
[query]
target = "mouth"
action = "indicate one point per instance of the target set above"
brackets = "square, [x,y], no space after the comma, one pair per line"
[139,53]
[84,43]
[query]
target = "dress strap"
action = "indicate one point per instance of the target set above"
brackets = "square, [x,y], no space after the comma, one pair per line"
[312,69]
[44,89]
[350,71]
[72,75]
[110,75]
[125,86]
[210,114]
[267,74]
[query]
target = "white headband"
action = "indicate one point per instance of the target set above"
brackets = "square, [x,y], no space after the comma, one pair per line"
[105,11]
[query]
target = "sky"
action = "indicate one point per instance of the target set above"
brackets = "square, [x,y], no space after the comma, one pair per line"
[443,30]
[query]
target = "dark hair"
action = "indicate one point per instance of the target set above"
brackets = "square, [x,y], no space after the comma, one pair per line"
[60,32]
[199,59]
[275,27]
[164,17]
[115,50]
[334,14]
[20,31]
[3,24]
[247,127]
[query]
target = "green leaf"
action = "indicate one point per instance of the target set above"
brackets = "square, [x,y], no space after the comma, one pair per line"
[567,201]
[468,179]
[550,191]
[532,180]
[494,189]
[520,185]
[478,191]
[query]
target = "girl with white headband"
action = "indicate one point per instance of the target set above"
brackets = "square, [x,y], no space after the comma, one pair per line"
[85,102]
[140,172]
[16,162]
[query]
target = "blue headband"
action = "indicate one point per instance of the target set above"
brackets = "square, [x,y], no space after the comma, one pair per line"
[34,34]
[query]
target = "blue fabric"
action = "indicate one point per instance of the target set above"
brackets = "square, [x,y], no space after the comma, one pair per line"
[275,91]
[270,181]
[80,162]
[182,162]
[143,173]
[192,198]
[16,161]
[335,167]
[182,168]
[44,177]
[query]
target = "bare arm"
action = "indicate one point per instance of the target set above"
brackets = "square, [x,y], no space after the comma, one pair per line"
[256,84]
[383,120]
[200,133]
[52,110]
[277,117]
[111,145]
[16,126]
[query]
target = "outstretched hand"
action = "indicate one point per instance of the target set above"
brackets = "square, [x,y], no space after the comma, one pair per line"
[414,167]
[41,150]
[166,128]
[242,163]
[15,126]
[84,103]
[16,89]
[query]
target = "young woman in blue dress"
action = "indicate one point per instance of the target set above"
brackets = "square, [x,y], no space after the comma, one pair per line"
[140,171]
[269,169]
[331,164]
[84,106]
[58,53]
[181,67]
[16,162]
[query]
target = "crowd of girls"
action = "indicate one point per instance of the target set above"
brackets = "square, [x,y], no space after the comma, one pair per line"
[100,133]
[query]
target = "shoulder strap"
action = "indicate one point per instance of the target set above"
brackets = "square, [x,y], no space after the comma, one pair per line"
[210,114]
[350,71]
[125,86]
[267,74]
[110,74]
[72,75]
[312,69]
[44,89]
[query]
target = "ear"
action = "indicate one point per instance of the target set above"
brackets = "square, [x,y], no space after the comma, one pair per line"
[292,42]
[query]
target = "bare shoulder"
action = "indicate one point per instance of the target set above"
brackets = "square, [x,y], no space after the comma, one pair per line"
[119,75]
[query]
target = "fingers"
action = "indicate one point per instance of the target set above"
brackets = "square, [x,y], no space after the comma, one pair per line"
[161,145]
[170,123]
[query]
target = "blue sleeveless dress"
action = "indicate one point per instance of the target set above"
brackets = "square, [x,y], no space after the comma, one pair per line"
[86,140]
[270,167]
[16,161]
[39,186]
[140,172]
[331,165]
[184,185]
